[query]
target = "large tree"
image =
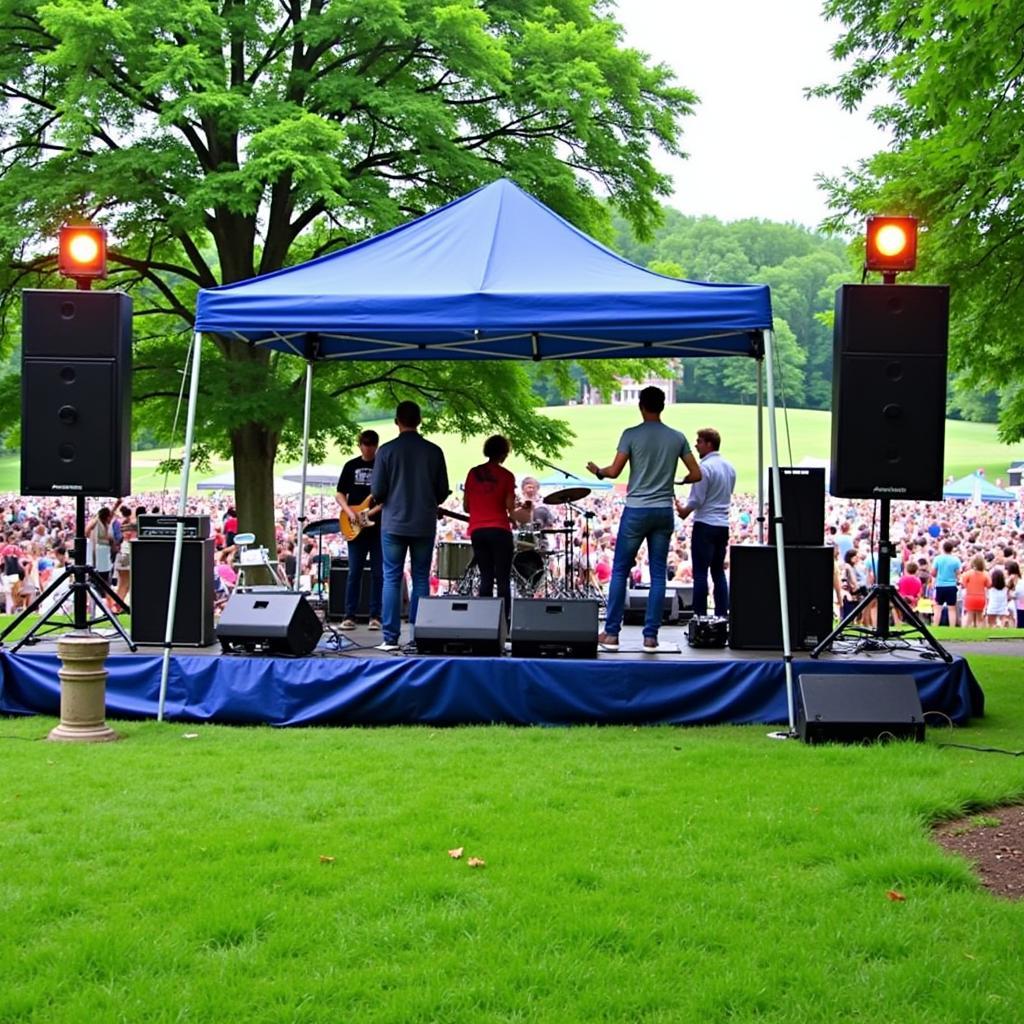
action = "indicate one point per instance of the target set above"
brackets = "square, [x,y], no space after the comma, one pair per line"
[953,71]
[221,139]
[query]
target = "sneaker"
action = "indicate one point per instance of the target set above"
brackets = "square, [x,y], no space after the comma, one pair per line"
[374,624]
[609,641]
[347,624]
[650,644]
[388,645]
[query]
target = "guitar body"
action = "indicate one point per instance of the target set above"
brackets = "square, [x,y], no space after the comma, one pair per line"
[350,530]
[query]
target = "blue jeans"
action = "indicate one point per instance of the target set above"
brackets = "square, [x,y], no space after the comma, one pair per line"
[421,553]
[637,525]
[709,544]
[366,545]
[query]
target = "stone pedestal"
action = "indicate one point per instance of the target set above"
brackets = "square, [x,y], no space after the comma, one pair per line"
[83,690]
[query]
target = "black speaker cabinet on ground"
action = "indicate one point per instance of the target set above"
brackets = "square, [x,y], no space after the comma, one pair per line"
[152,561]
[755,621]
[858,708]
[280,622]
[460,625]
[544,628]
[889,391]
[803,505]
[76,356]
[634,611]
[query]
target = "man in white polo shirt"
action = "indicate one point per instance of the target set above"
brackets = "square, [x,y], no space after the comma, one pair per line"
[709,502]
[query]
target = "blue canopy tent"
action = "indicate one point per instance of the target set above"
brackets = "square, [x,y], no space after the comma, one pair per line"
[492,275]
[976,488]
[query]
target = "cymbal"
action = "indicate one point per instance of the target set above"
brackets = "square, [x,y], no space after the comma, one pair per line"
[566,495]
[322,528]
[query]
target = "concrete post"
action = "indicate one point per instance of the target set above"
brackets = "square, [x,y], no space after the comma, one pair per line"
[83,690]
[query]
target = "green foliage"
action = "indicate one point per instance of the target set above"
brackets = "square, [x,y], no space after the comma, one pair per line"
[221,141]
[953,75]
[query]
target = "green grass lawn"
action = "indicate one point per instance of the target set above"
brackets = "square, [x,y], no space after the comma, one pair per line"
[632,874]
[968,445]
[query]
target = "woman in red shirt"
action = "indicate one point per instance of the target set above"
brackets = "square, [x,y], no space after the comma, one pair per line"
[489,497]
[975,583]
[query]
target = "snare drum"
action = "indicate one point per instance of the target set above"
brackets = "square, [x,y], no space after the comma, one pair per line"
[526,539]
[453,559]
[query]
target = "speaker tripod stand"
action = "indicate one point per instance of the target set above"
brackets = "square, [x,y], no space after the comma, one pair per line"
[84,583]
[884,596]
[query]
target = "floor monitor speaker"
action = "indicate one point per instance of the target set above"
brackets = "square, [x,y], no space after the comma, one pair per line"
[803,505]
[858,708]
[461,625]
[278,622]
[634,612]
[889,391]
[755,620]
[544,628]
[152,561]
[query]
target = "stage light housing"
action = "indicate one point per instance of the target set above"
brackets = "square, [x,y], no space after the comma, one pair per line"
[82,252]
[891,244]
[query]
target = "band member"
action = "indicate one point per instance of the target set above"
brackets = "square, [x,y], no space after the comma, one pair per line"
[652,449]
[709,502]
[489,496]
[410,479]
[540,515]
[353,490]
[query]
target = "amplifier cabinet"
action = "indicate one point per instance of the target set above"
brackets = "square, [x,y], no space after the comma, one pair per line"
[151,583]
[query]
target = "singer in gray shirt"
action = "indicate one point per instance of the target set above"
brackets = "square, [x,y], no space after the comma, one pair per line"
[708,503]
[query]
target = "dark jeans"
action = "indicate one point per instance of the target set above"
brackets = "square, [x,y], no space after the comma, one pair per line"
[637,525]
[420,551]
[366,545]
[709,544]
[493,550]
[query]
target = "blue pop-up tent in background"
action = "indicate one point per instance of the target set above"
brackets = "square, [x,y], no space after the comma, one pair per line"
[975,487]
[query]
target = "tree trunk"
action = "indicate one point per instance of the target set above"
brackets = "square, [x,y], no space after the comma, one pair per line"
[254,448]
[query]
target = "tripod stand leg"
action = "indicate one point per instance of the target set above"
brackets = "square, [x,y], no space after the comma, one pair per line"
[37,603]
[864,603]
[909,615]
[97,596]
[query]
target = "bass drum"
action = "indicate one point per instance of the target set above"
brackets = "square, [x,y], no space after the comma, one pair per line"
[453,559]
[528,570]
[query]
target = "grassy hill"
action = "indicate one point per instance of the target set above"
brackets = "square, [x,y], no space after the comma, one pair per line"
[802,433]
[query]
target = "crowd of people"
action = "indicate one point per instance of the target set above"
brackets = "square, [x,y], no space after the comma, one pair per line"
[956,562]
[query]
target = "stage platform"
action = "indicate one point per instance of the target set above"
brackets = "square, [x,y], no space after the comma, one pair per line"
[362,686]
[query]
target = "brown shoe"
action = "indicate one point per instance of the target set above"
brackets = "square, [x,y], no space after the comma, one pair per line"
[609,641]
[650,644]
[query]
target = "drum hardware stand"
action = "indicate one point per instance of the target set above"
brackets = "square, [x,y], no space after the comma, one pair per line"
[884,596]
[86,582]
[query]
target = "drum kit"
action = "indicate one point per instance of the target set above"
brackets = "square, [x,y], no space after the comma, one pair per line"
[544,563]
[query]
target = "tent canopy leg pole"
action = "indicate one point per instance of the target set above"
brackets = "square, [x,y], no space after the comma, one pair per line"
[305,466]
[760,451]
[780,549]
[179,531]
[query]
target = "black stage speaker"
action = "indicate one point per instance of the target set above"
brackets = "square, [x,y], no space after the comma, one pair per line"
[853,708]
[543,628]
[461,625]
[803,505]
[281,622]
[889,391]
[76,367]
[755,621]
[152,561]
[634,611]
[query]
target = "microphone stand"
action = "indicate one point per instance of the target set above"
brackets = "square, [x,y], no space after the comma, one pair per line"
[564,472]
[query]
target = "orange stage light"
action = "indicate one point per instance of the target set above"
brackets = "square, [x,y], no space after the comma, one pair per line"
[891,244]
[82,252]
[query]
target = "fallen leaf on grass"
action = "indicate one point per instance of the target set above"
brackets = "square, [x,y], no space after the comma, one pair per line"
[476,862]
[896,897]
[324,859]
[456,853]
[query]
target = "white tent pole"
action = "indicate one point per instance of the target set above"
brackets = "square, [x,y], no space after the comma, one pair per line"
[760,450]
[780,549]
[179,532]
[305,464]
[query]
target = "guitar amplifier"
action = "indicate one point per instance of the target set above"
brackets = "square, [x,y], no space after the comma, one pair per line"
[156,527]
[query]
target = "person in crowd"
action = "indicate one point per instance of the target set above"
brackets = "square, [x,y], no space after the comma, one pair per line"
[410,480]
[996,600]
[1014,595]
[489,496]
[123,559]
[909,588]
[946,571]
[230,526]
[355,504]
[652,449]
[854,586]
[708,503]
[976,583]
[99,536]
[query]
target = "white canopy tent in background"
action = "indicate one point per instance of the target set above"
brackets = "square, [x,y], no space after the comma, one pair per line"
[226,482]
[492,275]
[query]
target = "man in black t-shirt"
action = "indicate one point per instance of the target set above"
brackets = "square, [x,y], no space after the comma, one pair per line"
[354,490]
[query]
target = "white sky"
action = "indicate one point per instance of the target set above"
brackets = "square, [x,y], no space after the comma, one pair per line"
[754,142]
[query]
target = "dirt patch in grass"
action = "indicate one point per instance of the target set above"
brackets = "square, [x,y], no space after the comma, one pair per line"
[993,842]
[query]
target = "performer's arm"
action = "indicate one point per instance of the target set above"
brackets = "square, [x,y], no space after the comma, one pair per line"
[691,463]
[612,470]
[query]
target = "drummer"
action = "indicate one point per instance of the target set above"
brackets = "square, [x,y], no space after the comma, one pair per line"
[541,517]
[353,491]
[489,496]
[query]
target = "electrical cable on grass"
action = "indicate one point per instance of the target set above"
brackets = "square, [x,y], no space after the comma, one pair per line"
[983,750]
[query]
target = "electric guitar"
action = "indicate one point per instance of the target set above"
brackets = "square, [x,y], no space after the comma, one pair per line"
[350,530]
